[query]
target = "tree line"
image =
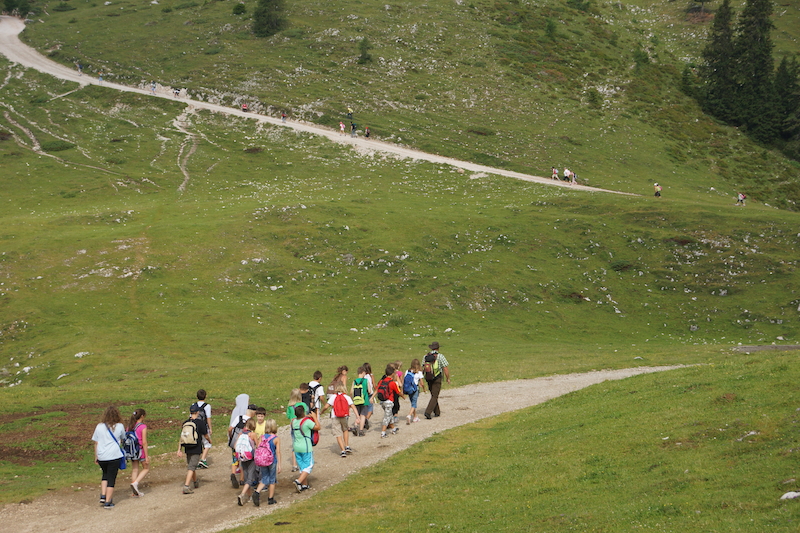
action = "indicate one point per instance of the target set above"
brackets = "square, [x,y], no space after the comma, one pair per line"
[737,81]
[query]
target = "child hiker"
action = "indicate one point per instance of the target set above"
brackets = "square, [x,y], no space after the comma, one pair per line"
[302,434]
[191,441]
[296,400]
[245,450]
[205,416]
[269,473]
[412,382]
[342,406]
[138,426]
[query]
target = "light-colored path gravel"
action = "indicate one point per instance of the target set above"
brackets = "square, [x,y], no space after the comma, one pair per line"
[18,52]
[213,506]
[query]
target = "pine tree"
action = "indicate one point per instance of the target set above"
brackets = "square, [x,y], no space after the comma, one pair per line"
[719,67]
[787,95]
[755,101]
[268,18]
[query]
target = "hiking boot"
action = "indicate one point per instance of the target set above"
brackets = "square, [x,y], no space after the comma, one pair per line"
[240,500]
[202,464]
[187,489]
[271,501]
[298,486]
[108,505]
[257,499]
[197,484]
[366,424]
[348,450]
[234,481]
[361,434]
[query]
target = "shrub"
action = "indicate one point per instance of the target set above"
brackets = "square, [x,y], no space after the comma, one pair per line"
[363,48]
[57,145]
[166,10]
[239,9]
[594,98]
[63,6]
[268,18]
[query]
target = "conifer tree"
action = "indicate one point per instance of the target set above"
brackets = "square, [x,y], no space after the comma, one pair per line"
[787,94]
[719,67]
[268,18]
[755,101]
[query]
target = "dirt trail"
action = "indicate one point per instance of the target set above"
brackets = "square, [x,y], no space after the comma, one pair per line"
[165,508]
[18,52]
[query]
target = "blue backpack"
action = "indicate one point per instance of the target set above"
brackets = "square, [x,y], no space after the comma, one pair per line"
[131,445]
[409,387]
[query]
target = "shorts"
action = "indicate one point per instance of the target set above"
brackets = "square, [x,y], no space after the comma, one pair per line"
[305,461]
[269,474]
[370,408]
[250,473]
[192,460]
[413,398]
[206,444]
[338,426]
[388,416]
[363,409]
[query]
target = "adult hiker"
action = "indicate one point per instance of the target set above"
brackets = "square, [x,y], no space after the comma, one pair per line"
[657,189]
[433,366]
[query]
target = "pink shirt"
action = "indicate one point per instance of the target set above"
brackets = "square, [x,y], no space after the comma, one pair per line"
[139,429]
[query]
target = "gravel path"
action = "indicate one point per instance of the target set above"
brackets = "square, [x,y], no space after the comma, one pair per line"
[165,508]
[18,52]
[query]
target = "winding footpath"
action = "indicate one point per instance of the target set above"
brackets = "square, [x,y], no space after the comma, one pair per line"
[18,52]
[213,506]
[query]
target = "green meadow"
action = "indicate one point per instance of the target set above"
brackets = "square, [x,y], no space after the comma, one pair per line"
[147,251]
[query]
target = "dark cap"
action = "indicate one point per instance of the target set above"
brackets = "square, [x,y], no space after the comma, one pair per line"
[252,407]
[434,345]
[195,408]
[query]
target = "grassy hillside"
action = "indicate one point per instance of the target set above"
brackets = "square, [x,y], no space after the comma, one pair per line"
[482,81]
[285,253]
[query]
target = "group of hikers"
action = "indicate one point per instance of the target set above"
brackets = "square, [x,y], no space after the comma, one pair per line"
[256,456]
[569,176]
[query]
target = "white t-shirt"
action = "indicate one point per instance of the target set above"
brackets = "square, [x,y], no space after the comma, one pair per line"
[107,449]
[318,393]
[417,376]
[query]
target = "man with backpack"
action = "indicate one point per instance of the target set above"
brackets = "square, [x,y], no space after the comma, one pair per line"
[191,440]
[433,366]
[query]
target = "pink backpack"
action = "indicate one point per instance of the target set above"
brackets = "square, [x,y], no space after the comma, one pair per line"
[264,455]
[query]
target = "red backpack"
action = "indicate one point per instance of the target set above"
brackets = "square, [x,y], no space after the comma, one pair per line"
[385,389]
[314,438]
[340,406]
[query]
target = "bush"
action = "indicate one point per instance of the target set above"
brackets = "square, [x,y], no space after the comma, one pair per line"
[63,6]
[239,9]
[57,146]
[363,48]
[268,18]
[594,98]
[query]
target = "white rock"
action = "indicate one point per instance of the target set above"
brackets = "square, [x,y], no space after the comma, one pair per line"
[790,496]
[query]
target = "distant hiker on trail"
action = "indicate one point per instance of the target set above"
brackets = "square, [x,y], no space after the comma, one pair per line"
[244,108]
[352,129]
[283,117]
[433,366]
[341,128]
[205,416]
[740,198]
[107,453]
[153,87]
[100,77]
[139,457]
[192,443]
[573,178]
[566,174]
[366,132]
[398,377]
[80,69]
[371,408]
[350,113]
[555,173]
[657,189]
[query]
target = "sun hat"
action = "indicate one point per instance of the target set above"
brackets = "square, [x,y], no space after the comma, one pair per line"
[434,345]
